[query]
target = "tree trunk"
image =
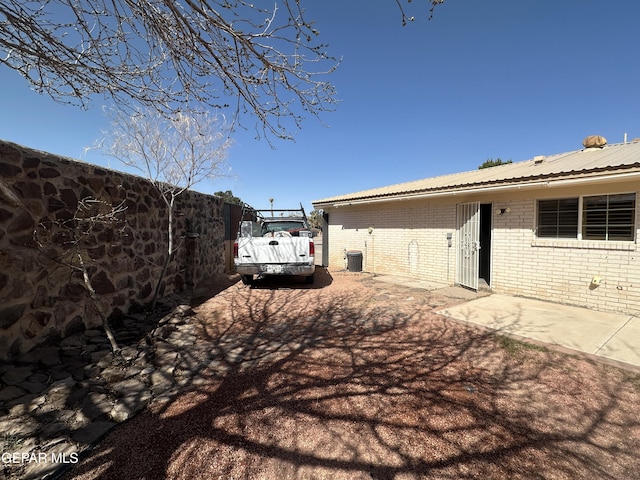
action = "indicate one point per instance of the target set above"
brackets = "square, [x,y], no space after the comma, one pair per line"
[94,298]
[167,259]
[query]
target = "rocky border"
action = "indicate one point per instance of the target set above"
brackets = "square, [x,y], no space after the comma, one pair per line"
[58,401]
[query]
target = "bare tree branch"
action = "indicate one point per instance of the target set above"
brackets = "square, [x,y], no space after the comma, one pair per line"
[406,18]
[170,55]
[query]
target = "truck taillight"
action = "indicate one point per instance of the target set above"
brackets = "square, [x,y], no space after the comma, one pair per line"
[312,248]
[235,250]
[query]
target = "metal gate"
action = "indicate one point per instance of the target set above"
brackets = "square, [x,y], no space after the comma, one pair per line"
[467,258]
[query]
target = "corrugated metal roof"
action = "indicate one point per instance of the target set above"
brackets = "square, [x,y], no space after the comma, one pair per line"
[579,163]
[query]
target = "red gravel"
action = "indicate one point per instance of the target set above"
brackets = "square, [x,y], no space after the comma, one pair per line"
[355,379]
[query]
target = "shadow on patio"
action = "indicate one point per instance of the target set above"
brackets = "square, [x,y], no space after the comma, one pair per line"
[350,381]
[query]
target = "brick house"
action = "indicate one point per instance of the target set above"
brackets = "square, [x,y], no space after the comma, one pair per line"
[562,228]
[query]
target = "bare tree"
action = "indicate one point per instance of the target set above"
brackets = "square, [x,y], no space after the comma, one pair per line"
[173,153]
[167,54]
[65,241]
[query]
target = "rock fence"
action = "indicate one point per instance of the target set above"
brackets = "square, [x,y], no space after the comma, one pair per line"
[42,301]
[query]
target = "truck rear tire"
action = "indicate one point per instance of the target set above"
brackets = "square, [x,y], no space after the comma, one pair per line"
[309,279]
[247,279]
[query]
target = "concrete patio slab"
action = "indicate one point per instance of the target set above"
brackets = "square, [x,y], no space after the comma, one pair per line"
[624,345]
[610,336]
[614,336]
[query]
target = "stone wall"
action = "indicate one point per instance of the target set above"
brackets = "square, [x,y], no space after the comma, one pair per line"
[42,300]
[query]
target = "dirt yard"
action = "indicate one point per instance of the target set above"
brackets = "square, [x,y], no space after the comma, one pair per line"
[357,379]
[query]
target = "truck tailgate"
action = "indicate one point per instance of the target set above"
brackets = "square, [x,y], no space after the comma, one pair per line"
[273,250]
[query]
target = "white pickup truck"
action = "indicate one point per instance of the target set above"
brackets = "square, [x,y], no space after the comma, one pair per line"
[274,242]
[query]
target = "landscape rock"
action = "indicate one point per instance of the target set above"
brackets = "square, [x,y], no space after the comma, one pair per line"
[128,353]
[102,358]
[33,387]
[16,375]
[9,393]
[113,374]
[96,405]
[39,377]
[129,386]
[92,432]
[66,397]
[53,429]
[132,372]
[160,381]
[14,427]
[127,407]
[77,396]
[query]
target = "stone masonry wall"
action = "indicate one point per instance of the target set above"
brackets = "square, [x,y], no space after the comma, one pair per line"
[41,300]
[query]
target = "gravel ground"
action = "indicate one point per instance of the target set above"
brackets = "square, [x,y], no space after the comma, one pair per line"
[355,379]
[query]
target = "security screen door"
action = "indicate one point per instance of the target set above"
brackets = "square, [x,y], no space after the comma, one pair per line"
[467,258]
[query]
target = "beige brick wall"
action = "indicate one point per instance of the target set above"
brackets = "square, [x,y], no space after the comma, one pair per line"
[389,247]
[409,238]
[562,270]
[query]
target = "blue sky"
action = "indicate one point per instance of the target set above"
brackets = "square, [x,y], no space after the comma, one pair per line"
[482,79]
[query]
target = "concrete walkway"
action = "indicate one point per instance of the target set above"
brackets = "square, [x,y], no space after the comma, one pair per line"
[611,337]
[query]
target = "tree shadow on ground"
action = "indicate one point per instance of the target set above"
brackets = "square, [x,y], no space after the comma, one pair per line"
[65,393]
[325,383]
[322,279]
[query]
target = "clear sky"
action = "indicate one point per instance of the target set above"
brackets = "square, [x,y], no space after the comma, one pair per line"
[483,79]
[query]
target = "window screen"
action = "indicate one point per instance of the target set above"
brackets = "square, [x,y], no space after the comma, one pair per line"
[558,218]
[609,217]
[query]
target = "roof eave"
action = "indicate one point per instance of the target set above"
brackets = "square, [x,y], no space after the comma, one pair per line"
[538,182]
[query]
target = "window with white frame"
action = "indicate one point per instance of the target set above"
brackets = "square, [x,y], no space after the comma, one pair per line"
[604,217]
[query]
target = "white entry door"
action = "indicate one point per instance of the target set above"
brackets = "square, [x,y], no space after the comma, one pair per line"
[467,258]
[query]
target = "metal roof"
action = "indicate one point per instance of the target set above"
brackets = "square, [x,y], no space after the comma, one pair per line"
[589,162]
